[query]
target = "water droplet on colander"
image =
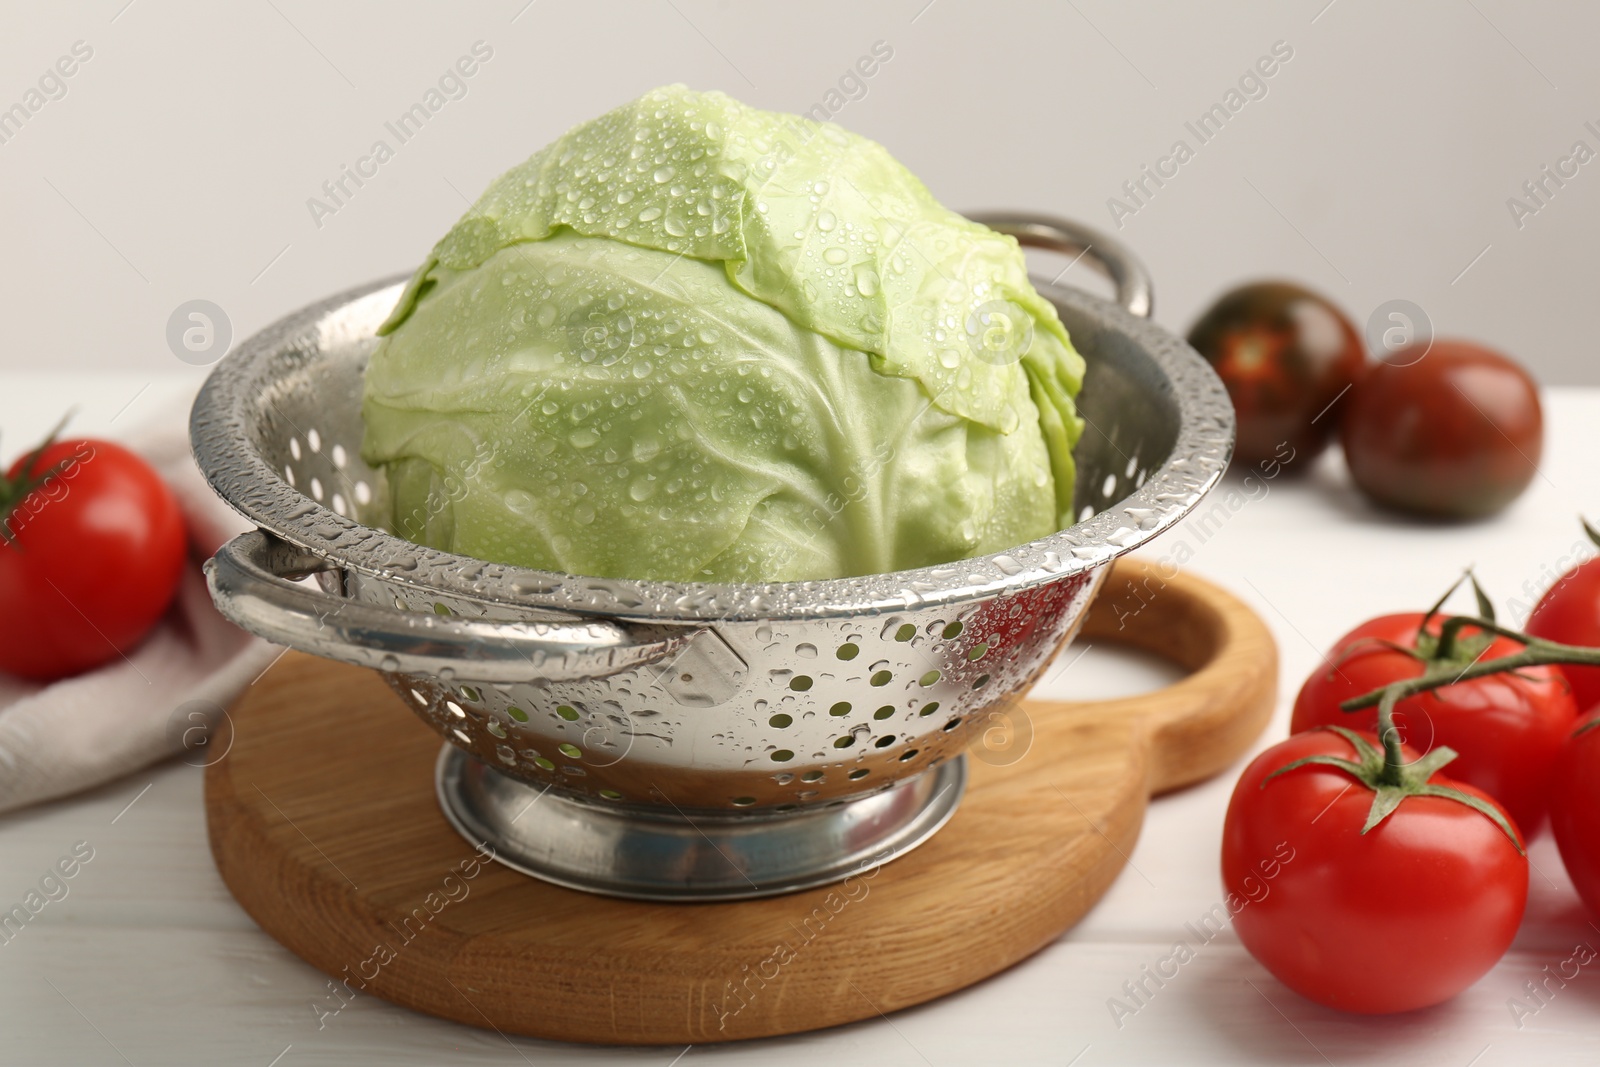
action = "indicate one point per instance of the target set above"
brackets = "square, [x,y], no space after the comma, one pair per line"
[526,585]
[1007,565]
[389,664]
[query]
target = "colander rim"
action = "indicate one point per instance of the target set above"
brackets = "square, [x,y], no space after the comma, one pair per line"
[220,436]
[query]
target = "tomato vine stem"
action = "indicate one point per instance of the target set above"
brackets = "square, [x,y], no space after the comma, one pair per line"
[1446,670]
[1386,772]
[1536,652]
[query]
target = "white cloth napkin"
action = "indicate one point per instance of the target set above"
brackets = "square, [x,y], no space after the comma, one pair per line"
[70,735]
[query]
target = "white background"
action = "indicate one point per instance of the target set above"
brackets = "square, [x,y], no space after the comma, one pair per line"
[1377,166]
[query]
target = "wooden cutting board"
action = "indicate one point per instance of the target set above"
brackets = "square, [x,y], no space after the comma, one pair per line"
[324,825]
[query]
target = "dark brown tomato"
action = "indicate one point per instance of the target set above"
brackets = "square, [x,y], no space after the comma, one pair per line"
[1455,433]
[1286,355]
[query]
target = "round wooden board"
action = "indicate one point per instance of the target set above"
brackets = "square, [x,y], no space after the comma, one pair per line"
[329,835]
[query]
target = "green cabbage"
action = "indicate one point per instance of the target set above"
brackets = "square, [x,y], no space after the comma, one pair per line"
[692,340]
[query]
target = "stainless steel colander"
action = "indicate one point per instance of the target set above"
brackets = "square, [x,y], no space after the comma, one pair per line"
[687,741]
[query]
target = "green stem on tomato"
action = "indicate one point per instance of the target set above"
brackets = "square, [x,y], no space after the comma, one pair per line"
[1385,771]
[1537,652]
[13,491]
[1450,632]
[1394,762]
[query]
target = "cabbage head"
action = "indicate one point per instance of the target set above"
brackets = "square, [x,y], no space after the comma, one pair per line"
[693,340]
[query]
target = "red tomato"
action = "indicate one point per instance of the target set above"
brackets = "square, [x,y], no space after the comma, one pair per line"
[1575,808]
[1454,433]
[1406,915]
[1569,612]
[99,547]
[1506,728]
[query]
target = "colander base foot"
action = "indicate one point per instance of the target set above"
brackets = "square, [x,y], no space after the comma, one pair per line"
[623,852]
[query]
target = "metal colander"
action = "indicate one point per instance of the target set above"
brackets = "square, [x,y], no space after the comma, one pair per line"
[687,741]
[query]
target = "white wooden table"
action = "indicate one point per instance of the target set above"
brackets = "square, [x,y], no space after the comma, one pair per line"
[149,961]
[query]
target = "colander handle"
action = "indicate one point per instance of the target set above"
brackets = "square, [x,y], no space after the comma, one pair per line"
[1104,253]
[253,581]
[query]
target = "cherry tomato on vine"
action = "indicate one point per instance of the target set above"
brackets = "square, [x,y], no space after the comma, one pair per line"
[93,547]
[1404,915]
[1505,728]
[1575,808]
[1569,612]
